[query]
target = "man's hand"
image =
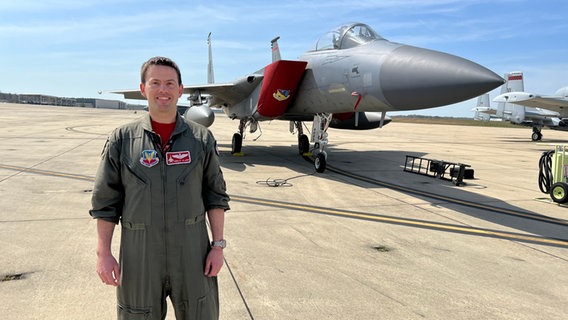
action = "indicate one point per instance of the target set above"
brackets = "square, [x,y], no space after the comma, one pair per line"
[214,262]
[108,269]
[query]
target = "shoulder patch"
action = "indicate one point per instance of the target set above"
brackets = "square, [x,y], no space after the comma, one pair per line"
[149,158]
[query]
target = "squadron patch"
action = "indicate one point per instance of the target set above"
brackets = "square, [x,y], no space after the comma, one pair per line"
[178,157]
[281,94]
[149,158]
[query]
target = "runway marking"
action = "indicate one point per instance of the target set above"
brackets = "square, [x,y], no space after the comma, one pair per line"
[482,206]
[47,172]
[405,221]
[348,214]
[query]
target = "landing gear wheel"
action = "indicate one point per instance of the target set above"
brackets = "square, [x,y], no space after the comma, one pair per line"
[559,192]
[237,143]
[320,162]
[303,144]
[536,136]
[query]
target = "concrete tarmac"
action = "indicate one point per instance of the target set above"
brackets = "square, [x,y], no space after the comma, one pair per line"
[318,246]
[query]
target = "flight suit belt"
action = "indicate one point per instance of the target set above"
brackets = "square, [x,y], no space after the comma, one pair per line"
[142,226]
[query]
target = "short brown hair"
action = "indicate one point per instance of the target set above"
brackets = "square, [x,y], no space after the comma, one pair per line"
[159,61]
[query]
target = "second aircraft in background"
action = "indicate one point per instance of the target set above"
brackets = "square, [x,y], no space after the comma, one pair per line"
[523,108]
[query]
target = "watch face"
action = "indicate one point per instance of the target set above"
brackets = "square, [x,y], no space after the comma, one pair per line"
[220,243]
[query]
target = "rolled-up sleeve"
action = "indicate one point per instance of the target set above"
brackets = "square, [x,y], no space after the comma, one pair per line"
[214,186]
[108,192]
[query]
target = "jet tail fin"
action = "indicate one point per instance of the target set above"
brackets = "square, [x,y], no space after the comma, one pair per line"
[501,105]
[482,109]
[515,82]
[275,49]
[483,102]
[210,75]
[513,112]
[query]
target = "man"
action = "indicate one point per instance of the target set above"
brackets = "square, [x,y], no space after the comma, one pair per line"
[158,177]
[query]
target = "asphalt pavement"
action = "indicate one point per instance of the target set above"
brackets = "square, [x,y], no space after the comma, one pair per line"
[302,245]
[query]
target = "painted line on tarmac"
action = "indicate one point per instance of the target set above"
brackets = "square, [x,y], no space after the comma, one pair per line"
[405,221]
[482,206]
[345,213]
[47,172]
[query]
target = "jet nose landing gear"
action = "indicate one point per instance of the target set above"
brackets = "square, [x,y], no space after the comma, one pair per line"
[319,137]
[320,161]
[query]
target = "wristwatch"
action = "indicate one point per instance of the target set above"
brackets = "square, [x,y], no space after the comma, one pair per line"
[220,243]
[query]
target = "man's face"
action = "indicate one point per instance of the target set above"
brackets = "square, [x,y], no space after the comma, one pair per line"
[161,89]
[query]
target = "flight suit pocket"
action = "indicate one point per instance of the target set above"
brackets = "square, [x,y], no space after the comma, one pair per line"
[208,306]
[129,313]
[137,197]
[189,201]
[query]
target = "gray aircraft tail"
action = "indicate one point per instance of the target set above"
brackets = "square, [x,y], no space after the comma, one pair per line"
[509,111]
[482,109]
[275,50]
[210,75]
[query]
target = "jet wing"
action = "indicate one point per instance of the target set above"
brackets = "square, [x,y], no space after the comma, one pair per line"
[227,93]
[130,94]
[555,103]
[220,93]
[485,110]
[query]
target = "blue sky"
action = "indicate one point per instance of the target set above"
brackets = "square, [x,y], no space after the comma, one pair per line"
[75,48]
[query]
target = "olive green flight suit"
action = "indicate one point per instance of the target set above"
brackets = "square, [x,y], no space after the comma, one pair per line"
[161,198]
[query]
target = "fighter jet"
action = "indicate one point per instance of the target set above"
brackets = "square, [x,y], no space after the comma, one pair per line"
[534,110]
[348,80]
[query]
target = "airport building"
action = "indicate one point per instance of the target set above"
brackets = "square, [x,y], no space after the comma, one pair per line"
[42,99]
[101,103]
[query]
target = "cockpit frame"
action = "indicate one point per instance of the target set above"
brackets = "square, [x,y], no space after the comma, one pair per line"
[347,36]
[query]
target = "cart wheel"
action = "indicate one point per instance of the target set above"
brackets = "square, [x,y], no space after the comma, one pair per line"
[559,192]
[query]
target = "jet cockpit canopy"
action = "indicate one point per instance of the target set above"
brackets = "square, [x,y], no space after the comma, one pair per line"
[347,36]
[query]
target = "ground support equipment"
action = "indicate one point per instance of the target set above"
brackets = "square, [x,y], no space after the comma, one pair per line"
[553,173]
[454,172]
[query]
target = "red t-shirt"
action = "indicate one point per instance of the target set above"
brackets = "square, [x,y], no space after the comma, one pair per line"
[164,130]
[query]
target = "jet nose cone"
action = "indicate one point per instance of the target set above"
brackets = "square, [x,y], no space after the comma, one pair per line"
[413,78]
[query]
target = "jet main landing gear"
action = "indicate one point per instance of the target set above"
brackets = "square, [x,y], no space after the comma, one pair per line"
[303,140]
[237,142]
[319,137]
[536,134]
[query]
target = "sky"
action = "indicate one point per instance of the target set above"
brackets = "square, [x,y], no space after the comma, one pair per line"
[72,48]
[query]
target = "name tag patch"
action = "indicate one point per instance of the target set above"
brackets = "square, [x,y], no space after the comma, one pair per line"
[178,157]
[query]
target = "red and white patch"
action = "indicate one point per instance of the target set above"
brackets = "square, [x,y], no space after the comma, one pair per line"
[178,157]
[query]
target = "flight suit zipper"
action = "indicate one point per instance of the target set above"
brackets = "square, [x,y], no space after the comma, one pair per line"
[163,149]
[156,141]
